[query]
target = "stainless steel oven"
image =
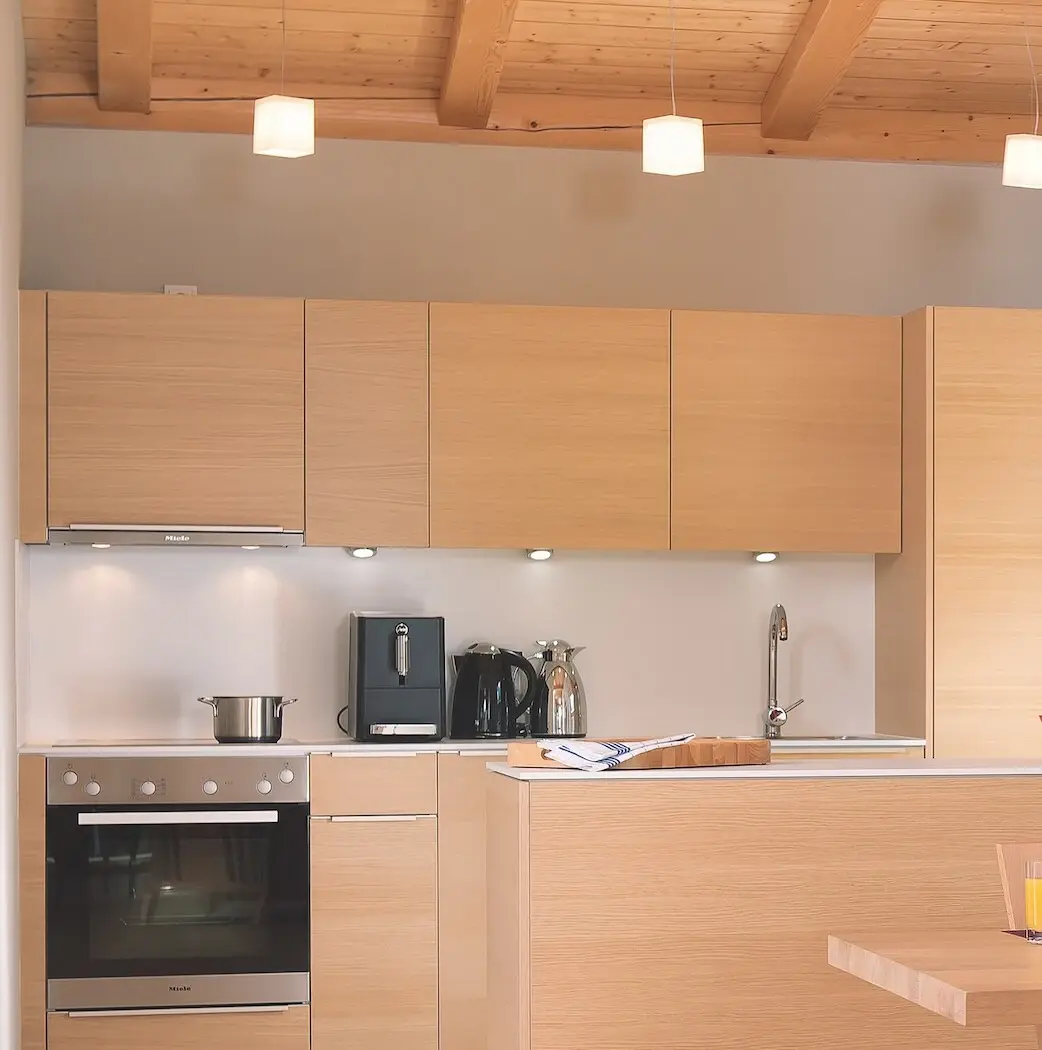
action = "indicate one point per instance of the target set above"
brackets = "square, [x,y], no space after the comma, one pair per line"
[177,882]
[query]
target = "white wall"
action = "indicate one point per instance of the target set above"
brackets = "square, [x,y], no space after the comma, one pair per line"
[121,644]
[125,211]
[11,120]
[122,641]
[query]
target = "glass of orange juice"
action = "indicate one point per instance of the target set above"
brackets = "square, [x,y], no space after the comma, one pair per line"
[1033,900]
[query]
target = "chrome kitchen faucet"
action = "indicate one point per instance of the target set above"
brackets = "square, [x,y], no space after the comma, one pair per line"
[775,717]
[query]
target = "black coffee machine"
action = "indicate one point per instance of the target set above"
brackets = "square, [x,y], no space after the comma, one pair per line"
[396,679]
[484,700]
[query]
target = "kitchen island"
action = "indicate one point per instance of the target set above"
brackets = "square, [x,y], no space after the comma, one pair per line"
[690,910]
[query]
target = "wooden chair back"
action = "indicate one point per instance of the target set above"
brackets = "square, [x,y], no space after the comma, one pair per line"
[1013,858]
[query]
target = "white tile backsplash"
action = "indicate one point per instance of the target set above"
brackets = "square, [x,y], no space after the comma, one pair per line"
[122,641]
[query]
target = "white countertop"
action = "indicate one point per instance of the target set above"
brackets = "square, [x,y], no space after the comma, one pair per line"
[289,748]
[868,742]
[811,769]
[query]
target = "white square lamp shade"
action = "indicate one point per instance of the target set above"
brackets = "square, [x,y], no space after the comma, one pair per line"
[673,145]
[1022,162]
[284,126]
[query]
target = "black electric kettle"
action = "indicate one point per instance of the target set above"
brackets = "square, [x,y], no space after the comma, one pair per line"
[484,700]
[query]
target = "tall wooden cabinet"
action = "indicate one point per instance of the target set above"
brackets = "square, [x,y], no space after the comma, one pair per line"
[366,368]
[175,410]
[786,432]
[549,427]
[959,612]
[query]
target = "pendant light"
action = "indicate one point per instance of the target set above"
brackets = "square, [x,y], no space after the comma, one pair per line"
[1022,157]
[673,145]
[284,126]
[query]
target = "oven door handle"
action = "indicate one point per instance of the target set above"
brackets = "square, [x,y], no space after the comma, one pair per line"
[205,816]
[180,1010]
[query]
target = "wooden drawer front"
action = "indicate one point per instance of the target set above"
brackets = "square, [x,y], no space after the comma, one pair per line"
[373,785]
[258,1030]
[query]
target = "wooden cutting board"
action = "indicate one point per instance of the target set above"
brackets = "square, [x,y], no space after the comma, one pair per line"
[705,751]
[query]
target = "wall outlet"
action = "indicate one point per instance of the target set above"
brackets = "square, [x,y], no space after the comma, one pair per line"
[180,289]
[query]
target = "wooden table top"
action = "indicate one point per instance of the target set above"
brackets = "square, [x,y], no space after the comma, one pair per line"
[976,978]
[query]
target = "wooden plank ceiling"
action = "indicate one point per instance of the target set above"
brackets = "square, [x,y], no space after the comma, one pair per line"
[875,79]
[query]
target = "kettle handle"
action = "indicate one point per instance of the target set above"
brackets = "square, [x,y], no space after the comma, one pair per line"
[513,659]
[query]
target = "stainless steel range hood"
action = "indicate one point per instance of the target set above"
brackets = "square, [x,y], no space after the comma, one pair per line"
[176,536]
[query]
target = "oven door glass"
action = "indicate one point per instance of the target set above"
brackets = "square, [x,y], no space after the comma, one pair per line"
[186,890]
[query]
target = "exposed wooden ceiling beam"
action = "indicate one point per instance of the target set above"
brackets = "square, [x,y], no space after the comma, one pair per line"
[475,62]
[612,123]
[813,66]
[125,55]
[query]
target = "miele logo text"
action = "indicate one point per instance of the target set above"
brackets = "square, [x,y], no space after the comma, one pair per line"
[179,988]
[172,538]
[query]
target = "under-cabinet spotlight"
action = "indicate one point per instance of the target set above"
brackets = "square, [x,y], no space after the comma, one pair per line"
[101,546]
[363,552]
[765,556]
[251,546]
[540,554]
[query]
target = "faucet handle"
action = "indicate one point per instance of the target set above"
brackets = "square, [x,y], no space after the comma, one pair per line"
[794,704]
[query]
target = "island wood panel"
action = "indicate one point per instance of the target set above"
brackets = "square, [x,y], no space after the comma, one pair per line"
[366,423]
[462,780]
[713,889]
[259,1030]
[509,915]
[786,432]
[175,410]
[904,582]
[988,532]
[32,417]
[374,934]
[549,427]
[32,901]
[364,784]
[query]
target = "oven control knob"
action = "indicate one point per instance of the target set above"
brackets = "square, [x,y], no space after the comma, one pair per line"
[92,787]
[148,788]
[209,787]
[264,786]
[286,776]
[69,778]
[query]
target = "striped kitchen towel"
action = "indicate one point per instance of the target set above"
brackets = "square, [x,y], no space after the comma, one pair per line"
[592,755]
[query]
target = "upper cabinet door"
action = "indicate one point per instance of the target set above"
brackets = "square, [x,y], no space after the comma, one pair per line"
[786,432]
[366,372]
[549,427]
[175,410]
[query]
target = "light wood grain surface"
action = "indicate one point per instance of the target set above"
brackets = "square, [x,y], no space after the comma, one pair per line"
[374,785]
[687,906]
[175,410]
[786,432]
[904,582]
[32,900]
[988,524]
[549,427]
[269,1030]
[32,417]
[977,978]
[461,900]
[366,371]
[509,915]
[374,934]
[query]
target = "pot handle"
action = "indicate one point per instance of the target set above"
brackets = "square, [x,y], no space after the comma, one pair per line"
[208,700]
[287,702]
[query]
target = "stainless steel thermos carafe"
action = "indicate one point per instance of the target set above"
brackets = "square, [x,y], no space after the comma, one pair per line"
[559,708]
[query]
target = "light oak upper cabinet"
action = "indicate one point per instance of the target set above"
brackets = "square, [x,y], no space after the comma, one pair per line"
[374,933]
[786,432]
[549,427]
[366,370]
[175,410]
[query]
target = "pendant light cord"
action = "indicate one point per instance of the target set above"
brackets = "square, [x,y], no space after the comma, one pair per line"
[672,55]
[1034,75]
[283,73]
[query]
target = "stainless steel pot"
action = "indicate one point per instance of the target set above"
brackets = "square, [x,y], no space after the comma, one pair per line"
[247,719]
